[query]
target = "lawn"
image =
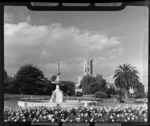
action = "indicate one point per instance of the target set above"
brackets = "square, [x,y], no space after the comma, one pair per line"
[11,100]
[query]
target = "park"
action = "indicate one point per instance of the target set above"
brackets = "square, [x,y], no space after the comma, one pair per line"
[30,97]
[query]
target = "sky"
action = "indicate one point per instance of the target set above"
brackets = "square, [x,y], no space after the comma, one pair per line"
[110,38]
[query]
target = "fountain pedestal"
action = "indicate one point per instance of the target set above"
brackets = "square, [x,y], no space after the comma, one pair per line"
[57,95]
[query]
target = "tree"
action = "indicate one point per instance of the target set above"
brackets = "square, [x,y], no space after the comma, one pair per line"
[85,83]
[5,82]
[8,83]
[29,78]
[5,76]
[125,77]
[68,87]
[91,84]
[94,87]
[99,78]
[110,90]
[101,81]
[140,93]
[53,77]
[140,88]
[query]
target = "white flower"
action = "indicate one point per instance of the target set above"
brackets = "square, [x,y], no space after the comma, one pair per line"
[44,117]
[52,120]
[91,120]
[111,116]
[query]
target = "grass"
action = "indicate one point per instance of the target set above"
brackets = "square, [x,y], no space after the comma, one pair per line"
[12,99]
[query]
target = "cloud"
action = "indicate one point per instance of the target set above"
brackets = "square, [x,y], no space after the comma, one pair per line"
[45,45]
[14,16]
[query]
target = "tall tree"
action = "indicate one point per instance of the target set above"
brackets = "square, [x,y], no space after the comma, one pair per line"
[68,87]
[5,81]
[85,83]
[126,76]
[101,81]
[140,88]
[29,78]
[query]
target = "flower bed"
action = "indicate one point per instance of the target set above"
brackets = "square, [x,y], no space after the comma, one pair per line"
[120,113]
[141,100]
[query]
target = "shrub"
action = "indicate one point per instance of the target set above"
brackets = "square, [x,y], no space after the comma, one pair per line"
[139,95]
[78,94]
[100,94]
[120,93]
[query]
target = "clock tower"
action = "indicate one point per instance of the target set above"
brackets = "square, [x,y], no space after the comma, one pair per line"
[88,66]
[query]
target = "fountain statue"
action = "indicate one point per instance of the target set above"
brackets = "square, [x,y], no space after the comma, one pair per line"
[57,94]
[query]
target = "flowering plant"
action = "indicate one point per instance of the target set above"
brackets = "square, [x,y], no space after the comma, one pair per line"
[120,113]
[141,100]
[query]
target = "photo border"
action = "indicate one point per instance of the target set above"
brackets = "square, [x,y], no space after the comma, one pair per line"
[62,8]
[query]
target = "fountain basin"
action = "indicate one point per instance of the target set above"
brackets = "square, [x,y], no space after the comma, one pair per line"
[47,103]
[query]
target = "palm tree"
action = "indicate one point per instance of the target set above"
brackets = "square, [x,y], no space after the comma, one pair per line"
[126,77]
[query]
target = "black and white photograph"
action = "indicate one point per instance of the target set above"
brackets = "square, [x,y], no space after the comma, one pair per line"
[76,66]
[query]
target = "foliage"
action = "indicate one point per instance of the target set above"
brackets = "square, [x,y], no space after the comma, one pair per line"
[5,82]
[5,76]
[101,81]
[126,77]
[140,95]
[140,88]
[53,77]
[91,84]
[8,83]
[30,79]
[121,93]
[111,90]
[94,87]
[68,87]
[78,94]
[29,74]
[100,94]
[120,113]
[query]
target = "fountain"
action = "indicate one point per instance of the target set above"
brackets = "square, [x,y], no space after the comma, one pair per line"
[57,95]
[56,98]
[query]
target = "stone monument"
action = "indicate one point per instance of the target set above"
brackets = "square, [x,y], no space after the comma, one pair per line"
[57,94]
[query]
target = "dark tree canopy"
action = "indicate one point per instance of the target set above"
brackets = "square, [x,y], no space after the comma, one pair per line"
[68,87]
[5,76]
[91,85]
[140,88]
[29,73]
[29,79]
